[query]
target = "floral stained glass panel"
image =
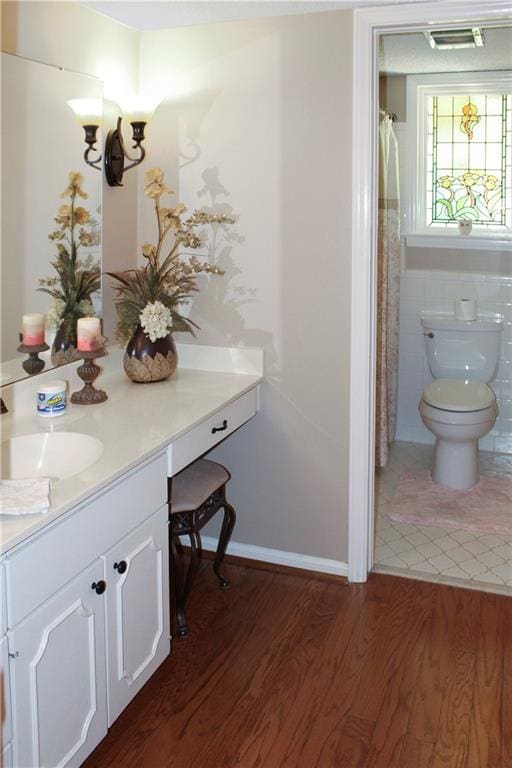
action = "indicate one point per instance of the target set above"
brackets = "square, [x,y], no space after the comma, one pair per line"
[469,158]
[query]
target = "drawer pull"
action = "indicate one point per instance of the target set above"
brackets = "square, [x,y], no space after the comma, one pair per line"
[99,586]
[220,429]
[121,566]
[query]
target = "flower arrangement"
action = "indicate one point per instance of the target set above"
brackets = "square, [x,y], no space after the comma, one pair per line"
[151,296]
[77,280]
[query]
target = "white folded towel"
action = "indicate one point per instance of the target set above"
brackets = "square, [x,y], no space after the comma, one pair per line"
[25,497]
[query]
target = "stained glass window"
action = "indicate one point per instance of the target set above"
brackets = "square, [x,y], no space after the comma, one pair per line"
[469,159]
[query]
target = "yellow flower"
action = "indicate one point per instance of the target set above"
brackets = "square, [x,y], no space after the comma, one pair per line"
[445,181]
[85,238]
[170,217]
[155,185]
[148,250]
[469,179]
[75,186]
[81,215]
[491,182]
[64,215]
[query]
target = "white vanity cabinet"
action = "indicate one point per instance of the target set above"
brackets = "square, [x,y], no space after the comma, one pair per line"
[84,635]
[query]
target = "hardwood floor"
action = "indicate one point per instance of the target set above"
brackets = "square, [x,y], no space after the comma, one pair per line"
[290,671]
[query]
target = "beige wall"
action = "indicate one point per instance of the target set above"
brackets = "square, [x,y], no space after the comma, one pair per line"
[259,124]
[264,108]
[74,37]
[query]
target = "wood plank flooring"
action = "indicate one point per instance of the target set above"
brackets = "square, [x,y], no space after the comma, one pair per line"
[286,670]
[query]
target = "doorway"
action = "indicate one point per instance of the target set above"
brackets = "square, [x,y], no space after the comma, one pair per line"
[368,24]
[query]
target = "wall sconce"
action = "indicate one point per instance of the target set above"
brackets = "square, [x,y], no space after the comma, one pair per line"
[138,110]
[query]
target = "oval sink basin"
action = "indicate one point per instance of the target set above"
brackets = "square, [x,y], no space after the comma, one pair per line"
[50,454]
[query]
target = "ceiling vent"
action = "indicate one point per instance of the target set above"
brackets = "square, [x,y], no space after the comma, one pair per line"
[446,39]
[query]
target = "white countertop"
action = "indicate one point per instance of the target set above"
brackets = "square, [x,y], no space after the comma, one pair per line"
[137,421]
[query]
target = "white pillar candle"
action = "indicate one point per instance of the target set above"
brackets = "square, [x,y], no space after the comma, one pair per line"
[88,334]
[32,330]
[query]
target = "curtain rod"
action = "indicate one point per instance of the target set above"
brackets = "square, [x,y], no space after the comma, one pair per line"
[392,116]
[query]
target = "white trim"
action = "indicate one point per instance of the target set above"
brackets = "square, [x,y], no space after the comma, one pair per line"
[368,23]
[458,242]
[279,557]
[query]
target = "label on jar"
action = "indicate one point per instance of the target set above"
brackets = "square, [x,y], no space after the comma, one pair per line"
[51,404]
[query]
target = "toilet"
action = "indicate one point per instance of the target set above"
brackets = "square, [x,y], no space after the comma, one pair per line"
[459,407]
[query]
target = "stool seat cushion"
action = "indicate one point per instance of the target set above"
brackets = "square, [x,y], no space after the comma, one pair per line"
[194,484]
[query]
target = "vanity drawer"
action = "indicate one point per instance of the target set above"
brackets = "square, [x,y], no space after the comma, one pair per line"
[206,435]
[61,552]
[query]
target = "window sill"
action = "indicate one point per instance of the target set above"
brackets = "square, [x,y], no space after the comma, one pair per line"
[462,242]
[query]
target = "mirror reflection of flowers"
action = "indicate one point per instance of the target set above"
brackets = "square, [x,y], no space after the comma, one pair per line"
[152,296]
[77,279]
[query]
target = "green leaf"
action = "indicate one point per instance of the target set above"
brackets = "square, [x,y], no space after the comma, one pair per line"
[467,213]
[462,202]
[447,204]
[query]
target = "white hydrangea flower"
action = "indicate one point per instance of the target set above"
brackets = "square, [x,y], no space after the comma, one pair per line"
[156,320]
[86,308]
[54,314]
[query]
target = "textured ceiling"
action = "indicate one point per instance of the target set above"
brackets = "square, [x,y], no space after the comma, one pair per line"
[164,14]
[407,53]
[411,54]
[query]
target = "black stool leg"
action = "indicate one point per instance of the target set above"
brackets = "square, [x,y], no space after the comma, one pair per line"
[228,524]
[183,592]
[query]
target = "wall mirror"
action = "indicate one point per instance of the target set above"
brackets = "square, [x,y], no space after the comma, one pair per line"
[41,145]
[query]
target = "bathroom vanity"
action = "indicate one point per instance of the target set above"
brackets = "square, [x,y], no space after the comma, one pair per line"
[84,589]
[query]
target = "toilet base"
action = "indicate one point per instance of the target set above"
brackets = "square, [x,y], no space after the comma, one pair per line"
[456,464]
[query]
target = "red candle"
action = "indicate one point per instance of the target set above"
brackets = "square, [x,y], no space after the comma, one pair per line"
[32,330]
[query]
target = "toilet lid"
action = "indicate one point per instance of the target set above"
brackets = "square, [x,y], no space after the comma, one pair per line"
[459,395]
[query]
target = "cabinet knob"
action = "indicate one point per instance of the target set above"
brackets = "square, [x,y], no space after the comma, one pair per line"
[220,429]
[99,586]
[121,566]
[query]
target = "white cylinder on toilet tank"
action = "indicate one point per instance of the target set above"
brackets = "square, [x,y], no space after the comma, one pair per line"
[462,349]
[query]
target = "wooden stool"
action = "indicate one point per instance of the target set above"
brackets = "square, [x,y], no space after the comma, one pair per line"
[195,495]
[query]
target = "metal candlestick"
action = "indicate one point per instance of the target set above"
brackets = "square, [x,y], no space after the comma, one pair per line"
[34,364]
[88,372]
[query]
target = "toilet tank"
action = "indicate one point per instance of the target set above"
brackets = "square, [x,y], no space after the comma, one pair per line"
[462,349]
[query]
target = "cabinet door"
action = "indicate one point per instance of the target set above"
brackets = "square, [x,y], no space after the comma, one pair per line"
[137,610]
[58,676]
[5,696]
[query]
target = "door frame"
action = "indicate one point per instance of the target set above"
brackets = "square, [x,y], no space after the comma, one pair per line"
[368,23]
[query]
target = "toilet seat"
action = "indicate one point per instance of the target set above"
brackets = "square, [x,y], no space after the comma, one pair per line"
[459,395]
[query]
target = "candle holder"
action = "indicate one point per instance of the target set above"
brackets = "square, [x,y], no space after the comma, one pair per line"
[34,364]
[88,372]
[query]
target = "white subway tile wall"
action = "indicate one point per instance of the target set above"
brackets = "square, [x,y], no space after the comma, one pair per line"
[423,290]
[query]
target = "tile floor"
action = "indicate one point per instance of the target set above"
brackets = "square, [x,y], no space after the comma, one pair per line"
[458,557]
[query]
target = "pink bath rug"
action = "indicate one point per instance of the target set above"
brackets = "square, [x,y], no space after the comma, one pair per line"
[486,508]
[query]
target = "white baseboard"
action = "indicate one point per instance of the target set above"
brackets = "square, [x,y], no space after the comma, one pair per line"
[278,557]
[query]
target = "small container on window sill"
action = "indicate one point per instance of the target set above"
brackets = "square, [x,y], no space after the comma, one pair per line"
[465,227]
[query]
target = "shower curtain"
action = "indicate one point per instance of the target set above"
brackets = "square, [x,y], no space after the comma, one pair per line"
[388,290]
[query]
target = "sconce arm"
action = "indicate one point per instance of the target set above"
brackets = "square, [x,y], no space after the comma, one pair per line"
[95,163]
[135,161]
